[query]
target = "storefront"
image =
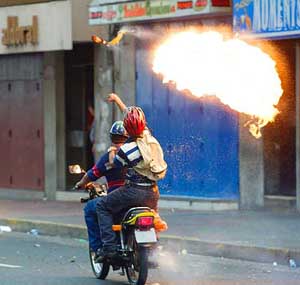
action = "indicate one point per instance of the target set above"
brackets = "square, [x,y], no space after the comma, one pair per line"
[31,85]
[46,83]
[200,139]
[278,24]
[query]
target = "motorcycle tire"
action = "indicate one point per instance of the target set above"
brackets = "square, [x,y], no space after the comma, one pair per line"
[137,273]
[100,269]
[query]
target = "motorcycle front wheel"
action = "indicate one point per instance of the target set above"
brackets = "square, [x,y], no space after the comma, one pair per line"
[100,269]
[137,272]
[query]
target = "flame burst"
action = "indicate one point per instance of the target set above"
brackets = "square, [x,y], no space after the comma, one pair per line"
[240,75]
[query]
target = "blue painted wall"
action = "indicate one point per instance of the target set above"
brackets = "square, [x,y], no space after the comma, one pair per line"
[199,138]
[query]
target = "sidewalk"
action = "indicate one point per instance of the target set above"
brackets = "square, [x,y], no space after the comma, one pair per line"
[262,236]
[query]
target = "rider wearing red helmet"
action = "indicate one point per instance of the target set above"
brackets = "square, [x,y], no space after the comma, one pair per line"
[134,121]
[139,190]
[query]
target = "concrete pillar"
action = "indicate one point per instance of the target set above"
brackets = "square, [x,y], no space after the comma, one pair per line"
[298,126]
[125,84]
[54,123]
[60,121]
[112,73]
[49,102]
[251,168]
[103,85]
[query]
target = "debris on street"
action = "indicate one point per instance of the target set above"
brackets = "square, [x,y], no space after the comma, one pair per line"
[72,259]
[34,232]
[292,263]
[5,229]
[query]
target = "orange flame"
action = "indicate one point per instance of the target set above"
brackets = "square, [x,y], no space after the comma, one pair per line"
[239,74]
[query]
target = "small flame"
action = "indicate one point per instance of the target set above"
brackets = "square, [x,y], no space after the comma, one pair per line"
[113,42]
[239,74]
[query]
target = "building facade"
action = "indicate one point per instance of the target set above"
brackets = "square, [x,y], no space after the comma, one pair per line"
[46,79]
[278,25]
[200,139]
[51,74]
[211,155]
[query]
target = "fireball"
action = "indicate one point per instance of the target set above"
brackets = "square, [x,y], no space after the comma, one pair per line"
[241,75]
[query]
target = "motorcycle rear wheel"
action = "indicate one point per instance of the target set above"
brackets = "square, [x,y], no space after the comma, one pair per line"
[138,271]
[100,269]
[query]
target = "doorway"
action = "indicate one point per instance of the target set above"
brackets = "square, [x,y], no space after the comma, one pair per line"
[280,136]
[79,76]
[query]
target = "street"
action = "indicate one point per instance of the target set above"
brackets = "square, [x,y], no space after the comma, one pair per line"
[32,260]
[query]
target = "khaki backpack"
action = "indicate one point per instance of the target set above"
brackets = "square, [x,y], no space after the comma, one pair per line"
[153,165]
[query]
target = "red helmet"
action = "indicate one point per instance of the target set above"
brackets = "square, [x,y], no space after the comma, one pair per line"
[134,121]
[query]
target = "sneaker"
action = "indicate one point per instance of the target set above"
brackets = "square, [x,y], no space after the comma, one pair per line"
[104,253]
[99,256]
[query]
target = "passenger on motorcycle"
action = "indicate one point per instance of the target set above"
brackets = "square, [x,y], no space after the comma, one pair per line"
[138,190]
[115,177]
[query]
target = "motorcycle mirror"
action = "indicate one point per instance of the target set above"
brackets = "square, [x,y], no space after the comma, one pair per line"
[76,169]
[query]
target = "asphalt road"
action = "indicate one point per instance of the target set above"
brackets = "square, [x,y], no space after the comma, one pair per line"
[40,260]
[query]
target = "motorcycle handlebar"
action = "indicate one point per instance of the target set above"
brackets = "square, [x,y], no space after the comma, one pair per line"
[91,189]
[84,200]
[76,189]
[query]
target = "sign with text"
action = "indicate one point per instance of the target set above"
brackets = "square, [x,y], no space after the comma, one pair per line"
[15,35]
[151,10]
[267,18]
[36,28]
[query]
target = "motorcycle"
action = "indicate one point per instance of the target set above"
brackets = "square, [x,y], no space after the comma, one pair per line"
[137,230]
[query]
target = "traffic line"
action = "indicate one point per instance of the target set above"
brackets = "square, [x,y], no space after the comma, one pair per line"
[9,265]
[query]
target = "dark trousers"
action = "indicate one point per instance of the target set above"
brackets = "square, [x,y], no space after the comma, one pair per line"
[119,201]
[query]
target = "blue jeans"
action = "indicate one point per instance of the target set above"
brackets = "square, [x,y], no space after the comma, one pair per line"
[91,220]
[117,202]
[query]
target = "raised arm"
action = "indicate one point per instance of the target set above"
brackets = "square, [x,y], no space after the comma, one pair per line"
[114,98]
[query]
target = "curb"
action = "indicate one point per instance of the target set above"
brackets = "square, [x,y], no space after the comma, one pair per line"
[46,228]
[175,243]
[232,251]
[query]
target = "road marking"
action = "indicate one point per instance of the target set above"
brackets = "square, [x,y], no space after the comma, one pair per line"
[9,265]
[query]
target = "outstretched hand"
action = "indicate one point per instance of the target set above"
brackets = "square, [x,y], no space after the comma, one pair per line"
[112,97]
[78,185]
